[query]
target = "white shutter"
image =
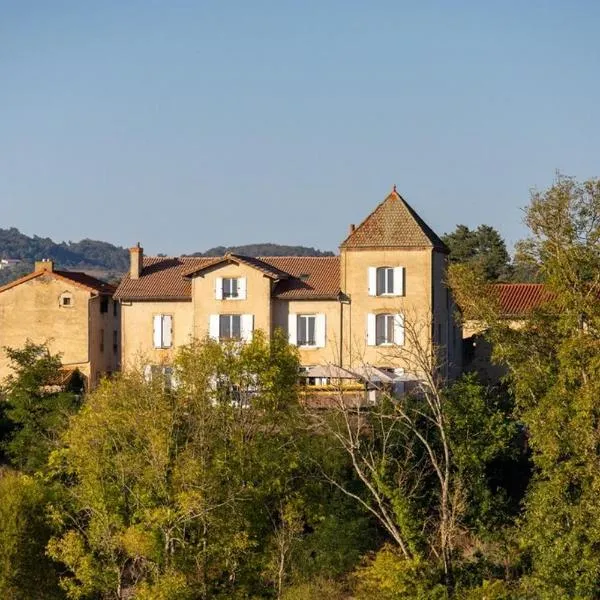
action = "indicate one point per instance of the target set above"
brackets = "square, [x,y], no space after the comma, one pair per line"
[398,281]
[320,330]
[242,288]
[148,373]
[167,331]
[219,288]
[371,330]
[213,327]
[372,281]
[246,327]
[157,333]
[399,329]
[293,329]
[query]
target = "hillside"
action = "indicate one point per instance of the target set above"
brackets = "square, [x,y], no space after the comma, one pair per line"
[105,260]
[265,249]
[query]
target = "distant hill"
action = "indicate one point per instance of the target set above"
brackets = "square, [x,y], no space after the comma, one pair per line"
[265,249]
[105,260]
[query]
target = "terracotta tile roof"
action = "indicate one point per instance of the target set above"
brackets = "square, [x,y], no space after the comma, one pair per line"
[300,277]
[394,224]
[251,261]
[519,299]
[311,277]
[78,278]
[85,280]
[162,278]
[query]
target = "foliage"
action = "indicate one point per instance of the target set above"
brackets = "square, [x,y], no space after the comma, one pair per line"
[482,248]
[25,572]
[36,408]
[89,253]
[197,484]
[265,249]
[389,576]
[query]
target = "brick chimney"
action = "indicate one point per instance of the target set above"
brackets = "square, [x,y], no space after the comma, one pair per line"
[136,258]
[44,265]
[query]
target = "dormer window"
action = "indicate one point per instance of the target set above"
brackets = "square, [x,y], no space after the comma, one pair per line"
[230,288]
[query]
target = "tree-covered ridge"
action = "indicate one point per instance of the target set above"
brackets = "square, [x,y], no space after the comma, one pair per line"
[265,249]
[103,255]
[85,253]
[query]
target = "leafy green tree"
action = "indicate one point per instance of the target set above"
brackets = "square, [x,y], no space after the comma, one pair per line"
[26,573]
[36,408]
[482,247]
[554,373]
[182,487]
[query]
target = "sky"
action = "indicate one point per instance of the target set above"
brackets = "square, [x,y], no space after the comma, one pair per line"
[189,124]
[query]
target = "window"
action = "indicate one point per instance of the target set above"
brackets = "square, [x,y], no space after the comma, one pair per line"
[102,340]
[230,327]
[115,309]
[386,281]
[230,288]
[385,329]
[306,330]
[163,374]
[115,341]
[163,331]
[66,300]
[104,305]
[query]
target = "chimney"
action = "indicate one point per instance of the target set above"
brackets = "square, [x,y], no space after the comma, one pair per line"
[352,228]
[44,265]
[136,258]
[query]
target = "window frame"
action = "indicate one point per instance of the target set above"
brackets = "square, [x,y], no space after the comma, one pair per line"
[389,326]
[306,318]
[230,318]
[388,281]
[163,345]
[230,296]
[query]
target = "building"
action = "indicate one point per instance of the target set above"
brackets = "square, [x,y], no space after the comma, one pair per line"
[70,311]
[7,263]
[352,310]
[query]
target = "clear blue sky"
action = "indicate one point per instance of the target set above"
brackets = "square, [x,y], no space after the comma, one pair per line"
[186,125]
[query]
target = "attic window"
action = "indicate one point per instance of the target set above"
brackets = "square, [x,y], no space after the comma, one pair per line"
[66,300]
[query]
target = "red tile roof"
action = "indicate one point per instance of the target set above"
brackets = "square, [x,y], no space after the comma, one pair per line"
[299,277]
[79,278]
[311,277]
[162,279]
[394,224]
[518,299]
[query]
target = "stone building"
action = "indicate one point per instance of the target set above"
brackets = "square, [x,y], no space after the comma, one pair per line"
[367,307]
[70,311]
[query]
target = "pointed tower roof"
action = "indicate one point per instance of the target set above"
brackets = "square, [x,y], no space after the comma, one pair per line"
[394,224]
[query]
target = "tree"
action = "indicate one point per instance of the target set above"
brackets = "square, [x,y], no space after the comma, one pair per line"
[420,459]
[482,247]
[26,573]
[36,408]
[185,486]
[553,361]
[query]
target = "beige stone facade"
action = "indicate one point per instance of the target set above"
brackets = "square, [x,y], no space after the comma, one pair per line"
[332,308]
[73,313]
